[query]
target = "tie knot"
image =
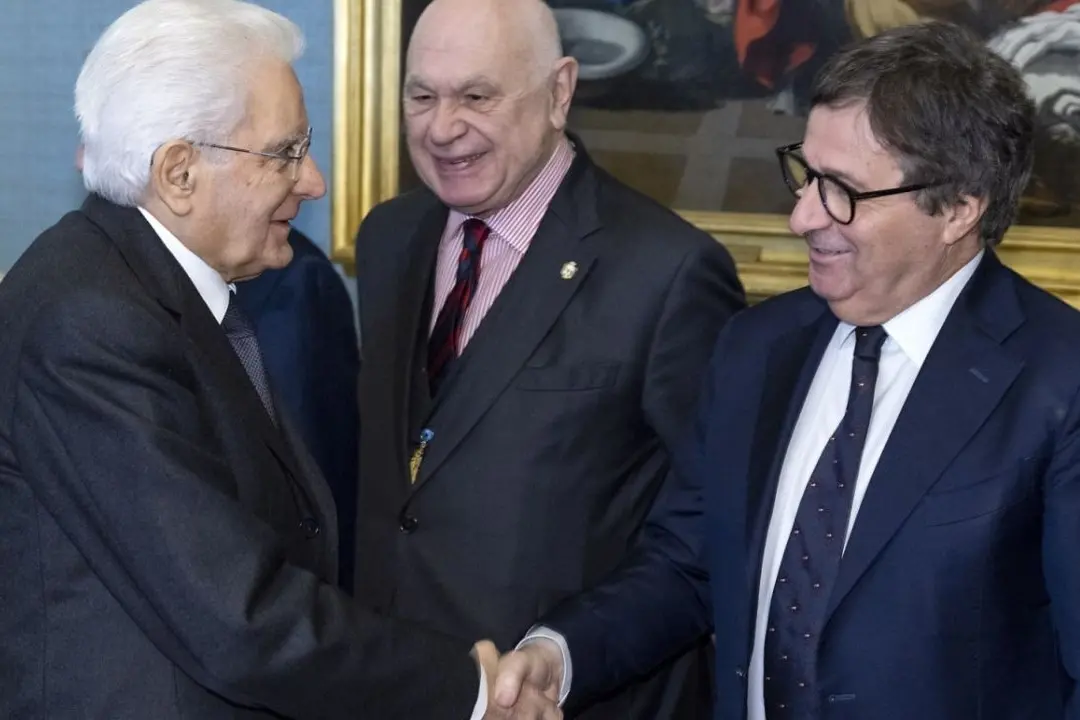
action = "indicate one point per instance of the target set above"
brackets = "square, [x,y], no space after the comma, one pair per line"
[476,231]
[868,342]
[236,323]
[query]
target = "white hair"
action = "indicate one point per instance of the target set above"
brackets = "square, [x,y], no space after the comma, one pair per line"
[169,70]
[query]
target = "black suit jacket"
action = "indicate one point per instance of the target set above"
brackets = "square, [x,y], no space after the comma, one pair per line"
[552,431]
[304,320]
[168,553]
[958,593]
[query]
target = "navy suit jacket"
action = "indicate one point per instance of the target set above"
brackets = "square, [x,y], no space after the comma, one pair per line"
[959,591]
[304,322]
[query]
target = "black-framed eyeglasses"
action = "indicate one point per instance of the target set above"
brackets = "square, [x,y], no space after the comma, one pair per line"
[837,197]
[293,157]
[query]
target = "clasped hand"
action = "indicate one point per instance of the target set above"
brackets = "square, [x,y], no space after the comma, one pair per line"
[523,683]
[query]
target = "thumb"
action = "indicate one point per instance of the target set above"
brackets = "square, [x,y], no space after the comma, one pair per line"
[515,669]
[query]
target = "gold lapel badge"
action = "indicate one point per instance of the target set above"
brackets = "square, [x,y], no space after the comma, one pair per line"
[569,270]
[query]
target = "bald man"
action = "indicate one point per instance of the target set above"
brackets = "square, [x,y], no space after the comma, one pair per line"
[534,334]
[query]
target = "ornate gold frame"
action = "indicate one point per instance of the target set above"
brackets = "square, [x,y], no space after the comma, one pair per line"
[367,79]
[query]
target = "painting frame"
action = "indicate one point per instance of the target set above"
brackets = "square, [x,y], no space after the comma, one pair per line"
[368,46]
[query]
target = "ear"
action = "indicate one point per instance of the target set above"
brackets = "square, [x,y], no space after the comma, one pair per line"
[564,84]
[962,219]
[174,172]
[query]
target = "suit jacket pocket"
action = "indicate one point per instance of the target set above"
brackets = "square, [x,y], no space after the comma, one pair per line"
[954,502]
[585,376]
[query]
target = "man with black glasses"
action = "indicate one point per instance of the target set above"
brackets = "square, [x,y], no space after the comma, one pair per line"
[879,512]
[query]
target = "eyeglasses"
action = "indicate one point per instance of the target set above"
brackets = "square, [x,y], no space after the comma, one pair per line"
[292,157]
[837,197]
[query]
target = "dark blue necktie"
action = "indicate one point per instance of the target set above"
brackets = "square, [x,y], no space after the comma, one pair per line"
[812,556]
[241,333]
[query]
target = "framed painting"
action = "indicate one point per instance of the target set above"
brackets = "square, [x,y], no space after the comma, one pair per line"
[687,100]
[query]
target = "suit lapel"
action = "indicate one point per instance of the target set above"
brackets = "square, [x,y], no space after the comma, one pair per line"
[162,277]
[792,362]
[418,283]
[962,381]
[522,315]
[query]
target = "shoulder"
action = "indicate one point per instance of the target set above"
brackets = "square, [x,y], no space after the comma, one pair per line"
[395,218]
[1051,328]
[73,281]
[645,234]
[407,207]
[775,316]
[639,218]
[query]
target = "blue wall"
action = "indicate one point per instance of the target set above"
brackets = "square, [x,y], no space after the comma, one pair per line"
[42,46]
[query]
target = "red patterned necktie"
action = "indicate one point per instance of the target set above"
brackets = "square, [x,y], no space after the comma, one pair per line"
[445,343]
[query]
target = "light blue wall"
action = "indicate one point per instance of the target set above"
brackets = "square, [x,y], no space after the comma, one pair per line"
[42,46]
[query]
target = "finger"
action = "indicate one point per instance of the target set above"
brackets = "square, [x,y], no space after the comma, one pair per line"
[531,705]
[514,670]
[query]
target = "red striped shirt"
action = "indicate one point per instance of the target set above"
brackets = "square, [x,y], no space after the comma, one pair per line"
[512,230]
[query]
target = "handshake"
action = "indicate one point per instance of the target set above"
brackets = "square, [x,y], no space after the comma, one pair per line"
[524,683]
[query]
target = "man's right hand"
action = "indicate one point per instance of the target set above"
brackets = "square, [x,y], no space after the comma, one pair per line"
[537,663]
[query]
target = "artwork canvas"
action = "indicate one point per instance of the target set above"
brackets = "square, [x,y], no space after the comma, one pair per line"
[688,99]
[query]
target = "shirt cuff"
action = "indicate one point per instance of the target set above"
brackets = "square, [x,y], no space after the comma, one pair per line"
[482,697]
[545,633]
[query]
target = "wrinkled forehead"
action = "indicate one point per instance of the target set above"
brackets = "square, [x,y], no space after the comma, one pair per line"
[450,60]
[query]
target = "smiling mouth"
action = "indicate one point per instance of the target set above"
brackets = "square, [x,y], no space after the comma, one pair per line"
[827,252]
[461,162]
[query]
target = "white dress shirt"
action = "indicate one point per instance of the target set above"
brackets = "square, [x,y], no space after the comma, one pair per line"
[215,293]
[910,337]
[211,286]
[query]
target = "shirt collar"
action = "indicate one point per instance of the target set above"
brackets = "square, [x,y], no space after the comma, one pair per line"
[514,222]
[211,287]
[915,329]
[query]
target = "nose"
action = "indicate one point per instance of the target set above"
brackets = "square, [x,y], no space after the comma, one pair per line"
[446,126]
[809,212]
[311,184]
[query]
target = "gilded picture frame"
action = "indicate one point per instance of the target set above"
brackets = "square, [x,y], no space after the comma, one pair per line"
[366,170]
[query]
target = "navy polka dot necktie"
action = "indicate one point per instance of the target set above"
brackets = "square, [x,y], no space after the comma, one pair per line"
[812,557]
[241,333]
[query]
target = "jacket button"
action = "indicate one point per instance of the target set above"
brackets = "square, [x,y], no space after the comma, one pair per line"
[310,527]
[739,672]
[409,524]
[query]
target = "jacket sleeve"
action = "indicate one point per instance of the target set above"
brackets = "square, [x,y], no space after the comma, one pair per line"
[109,433]
[657,602]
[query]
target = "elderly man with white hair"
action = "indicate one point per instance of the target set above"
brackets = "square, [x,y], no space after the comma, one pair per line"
[169,546]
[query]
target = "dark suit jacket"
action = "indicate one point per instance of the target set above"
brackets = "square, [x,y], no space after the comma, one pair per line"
[162,554]
[959,591]
[304,320]
[551,431]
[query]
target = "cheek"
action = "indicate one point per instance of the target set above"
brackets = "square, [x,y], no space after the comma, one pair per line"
[415,132]
[890,246]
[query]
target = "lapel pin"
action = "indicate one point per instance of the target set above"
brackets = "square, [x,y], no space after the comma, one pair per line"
[568,270]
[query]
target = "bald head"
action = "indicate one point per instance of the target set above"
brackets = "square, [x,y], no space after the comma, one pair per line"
[522,32]
[486,97]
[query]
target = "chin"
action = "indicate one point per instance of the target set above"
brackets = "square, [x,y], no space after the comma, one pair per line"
[465,200]
[827,289]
